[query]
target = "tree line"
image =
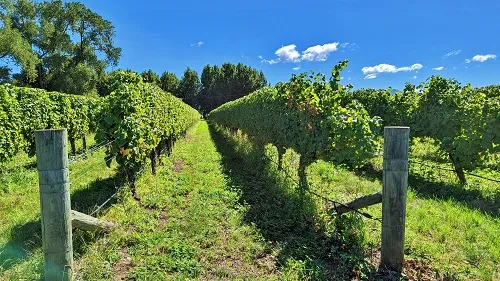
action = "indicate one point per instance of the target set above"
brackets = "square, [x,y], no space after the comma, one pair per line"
[216,86]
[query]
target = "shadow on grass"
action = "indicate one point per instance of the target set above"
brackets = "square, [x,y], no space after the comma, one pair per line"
[87,199]
[425,188]
[311,246]
[26,238]
[472,198]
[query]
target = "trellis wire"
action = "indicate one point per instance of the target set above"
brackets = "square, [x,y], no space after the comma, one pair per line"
[335,203]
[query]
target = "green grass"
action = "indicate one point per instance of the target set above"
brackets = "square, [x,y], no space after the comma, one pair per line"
[219,209]
[188,225]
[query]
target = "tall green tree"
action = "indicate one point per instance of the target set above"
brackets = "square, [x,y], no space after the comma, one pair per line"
[227,83]
[14,48]
[189,87]
[150,76]
[208,99]
[170,83]
[73,44]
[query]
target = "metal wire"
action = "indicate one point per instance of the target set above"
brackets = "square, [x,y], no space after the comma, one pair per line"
[107,200]
[451,170]
[89,152]
[91,168]
[410,160]
[335,203]
[111,197]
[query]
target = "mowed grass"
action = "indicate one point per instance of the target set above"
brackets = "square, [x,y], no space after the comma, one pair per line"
[219,209]
[188,225]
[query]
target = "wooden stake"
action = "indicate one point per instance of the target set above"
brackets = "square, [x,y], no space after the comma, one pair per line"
[86,222]
[53,175]
[359,203]
[395,184]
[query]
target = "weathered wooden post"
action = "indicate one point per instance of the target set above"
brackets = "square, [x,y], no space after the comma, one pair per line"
[53,176]
[395,184]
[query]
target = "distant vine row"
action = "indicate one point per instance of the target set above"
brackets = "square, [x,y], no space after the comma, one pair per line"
[24,110]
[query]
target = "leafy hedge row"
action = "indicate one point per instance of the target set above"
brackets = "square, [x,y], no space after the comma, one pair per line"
[139,119]
[24,110]
[465,120]
[305,114]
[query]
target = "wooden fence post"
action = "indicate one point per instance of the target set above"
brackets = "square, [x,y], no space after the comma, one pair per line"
[395,184]
[53,176]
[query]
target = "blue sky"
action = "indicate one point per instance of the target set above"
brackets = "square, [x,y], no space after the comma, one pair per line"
[387,42]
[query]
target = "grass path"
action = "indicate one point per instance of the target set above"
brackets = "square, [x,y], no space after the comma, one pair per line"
[188,225]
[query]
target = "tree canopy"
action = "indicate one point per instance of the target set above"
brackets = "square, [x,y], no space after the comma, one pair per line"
[189,87]
[59,46]
[170,83]
[150,76]
[227,83]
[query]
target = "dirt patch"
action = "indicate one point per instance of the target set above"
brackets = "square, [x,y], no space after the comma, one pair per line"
[189,138]
[266,261]
[121,269]
[179,165]
[162,219]
[229,263]
[413,270]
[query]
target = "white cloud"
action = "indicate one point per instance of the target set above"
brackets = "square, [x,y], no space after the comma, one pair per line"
[349,78]
[262,59]
[348,46]
[389,68]
[453,53]
[296,68]
[270,62]
[198,44]
[288,53]
[439,68]
[415,77]
[379,68]
[483,58]
[415,66]
[341,78]
[319,52]
[371,76]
